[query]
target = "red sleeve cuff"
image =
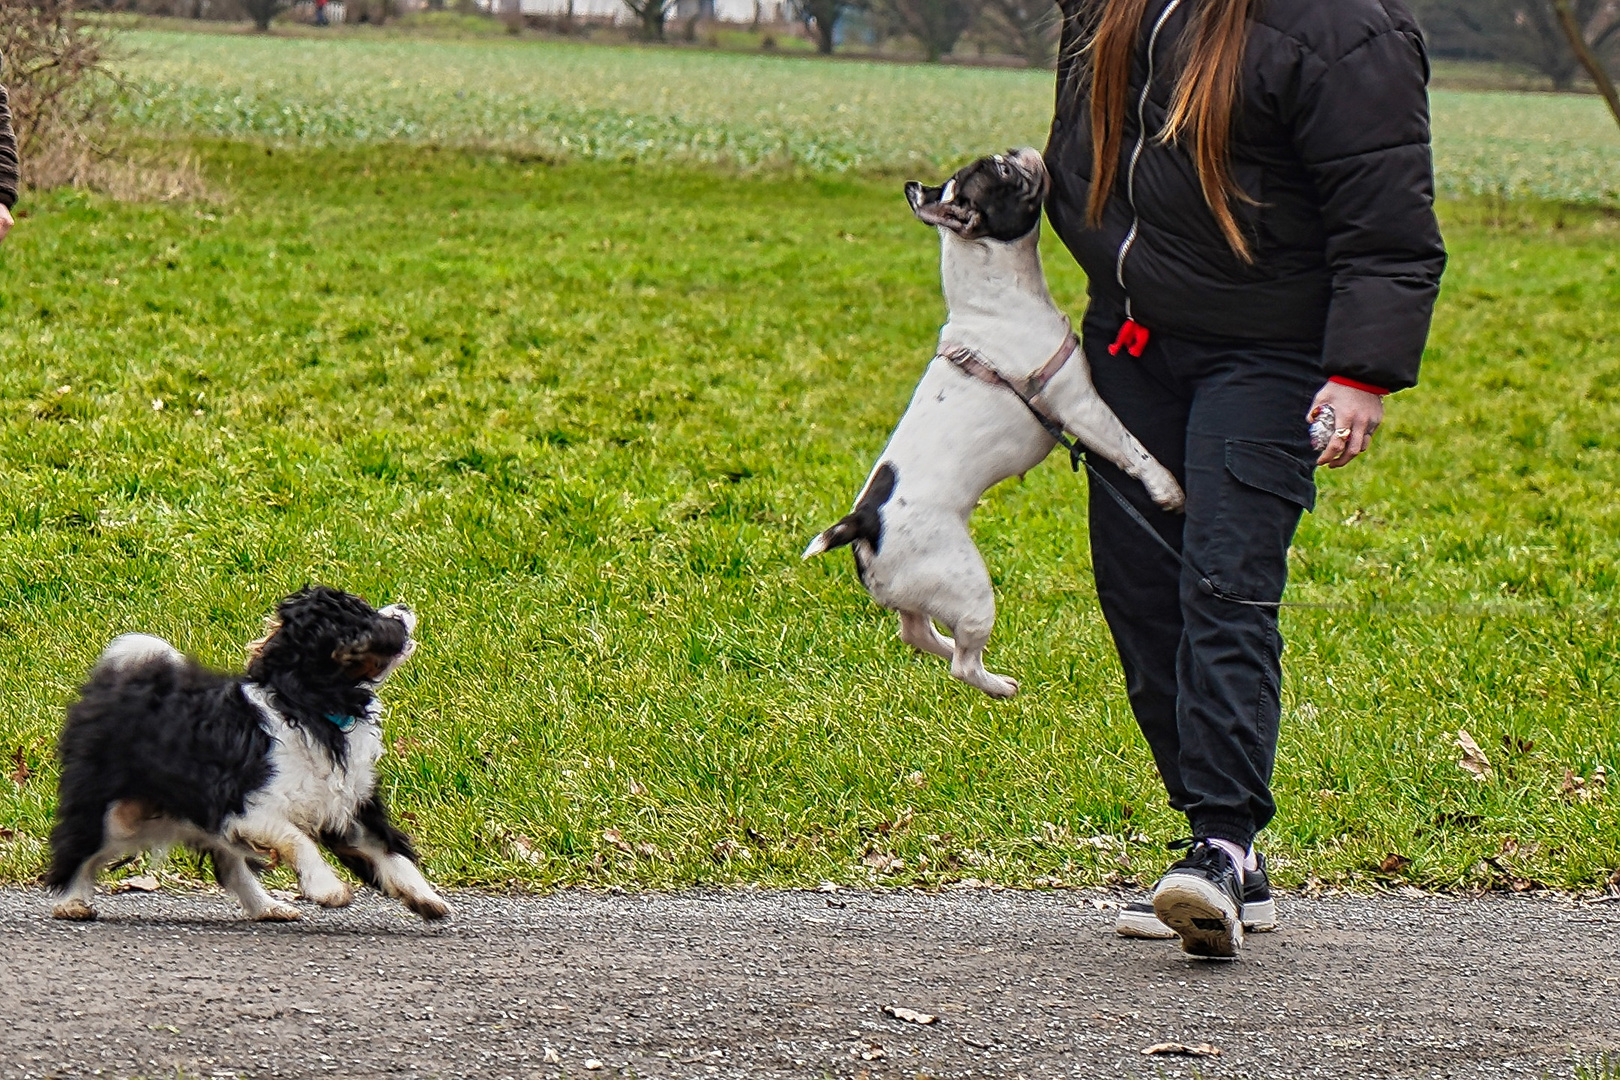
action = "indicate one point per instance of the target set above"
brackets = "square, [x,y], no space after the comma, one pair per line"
[1365,387]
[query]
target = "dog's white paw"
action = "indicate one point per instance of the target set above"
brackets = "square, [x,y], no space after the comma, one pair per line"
[279,912]
[1168,494]
[999,686]
[74,910]
[335,895]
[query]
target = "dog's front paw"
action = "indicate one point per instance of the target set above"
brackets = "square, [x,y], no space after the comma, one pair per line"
[279,912]
[430,906]
[335,895]
[1167,493]
[74,910]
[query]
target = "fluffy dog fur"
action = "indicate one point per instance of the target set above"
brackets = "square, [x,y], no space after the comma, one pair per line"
[159,750]
[961,435]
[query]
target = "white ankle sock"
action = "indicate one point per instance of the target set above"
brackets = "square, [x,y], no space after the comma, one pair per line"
[1234,852]
[1251,862]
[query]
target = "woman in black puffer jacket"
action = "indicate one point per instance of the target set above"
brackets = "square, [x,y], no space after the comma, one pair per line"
[9,178]
[1248,186]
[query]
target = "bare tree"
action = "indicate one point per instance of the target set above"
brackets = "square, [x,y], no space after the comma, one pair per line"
[936,24]
[651,14]
[1026,28]
[1587,56]
[262,11]
[821,17]
[60,87]
[1527,32]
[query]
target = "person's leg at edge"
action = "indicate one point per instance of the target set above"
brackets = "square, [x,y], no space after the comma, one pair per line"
[1138,582]
[1248,479]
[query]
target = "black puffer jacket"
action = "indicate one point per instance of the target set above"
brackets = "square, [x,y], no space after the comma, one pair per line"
[10,180]
[1331,141]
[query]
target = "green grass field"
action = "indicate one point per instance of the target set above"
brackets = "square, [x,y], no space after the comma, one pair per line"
[584,416]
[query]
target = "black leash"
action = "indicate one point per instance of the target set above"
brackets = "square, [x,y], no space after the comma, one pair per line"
[977,368]
[1077,457]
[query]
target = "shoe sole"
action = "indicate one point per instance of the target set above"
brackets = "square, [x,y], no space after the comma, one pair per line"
[1259,917]
[1201,915]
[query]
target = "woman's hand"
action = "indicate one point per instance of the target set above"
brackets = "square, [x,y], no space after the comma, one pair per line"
[5,221]
[1356,415]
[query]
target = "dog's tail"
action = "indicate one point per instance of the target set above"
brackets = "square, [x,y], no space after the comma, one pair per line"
[127,650]
[865,522]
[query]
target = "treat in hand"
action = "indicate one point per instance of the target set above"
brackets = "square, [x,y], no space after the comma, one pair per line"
[1321,420]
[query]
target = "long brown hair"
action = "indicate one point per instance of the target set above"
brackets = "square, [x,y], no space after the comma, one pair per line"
[1201,110]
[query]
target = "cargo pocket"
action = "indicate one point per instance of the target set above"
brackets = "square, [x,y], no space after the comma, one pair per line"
[1268,468]
[1263,489]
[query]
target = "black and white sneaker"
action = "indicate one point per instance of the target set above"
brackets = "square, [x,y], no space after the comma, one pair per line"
[1201,898]
[1138,920]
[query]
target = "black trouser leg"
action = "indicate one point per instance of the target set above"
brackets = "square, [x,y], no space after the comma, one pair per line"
[1203,674]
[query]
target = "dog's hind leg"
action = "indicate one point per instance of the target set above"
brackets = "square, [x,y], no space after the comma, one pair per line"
[87,840]
[967,663]
[917,630]
[957,592]
[236,876]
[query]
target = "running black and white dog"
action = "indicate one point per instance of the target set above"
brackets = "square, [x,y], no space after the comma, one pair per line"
[966,429]
[159,751]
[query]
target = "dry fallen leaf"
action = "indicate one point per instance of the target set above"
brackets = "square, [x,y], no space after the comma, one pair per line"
[883,862]
[873,1052]
[1473,760]
[613,837]
[592,1064]
[524,850]
[1579,789]
[143,883]
[551,1057]
[22,772]
[910,1016]
[1200,1050]
[1394,864]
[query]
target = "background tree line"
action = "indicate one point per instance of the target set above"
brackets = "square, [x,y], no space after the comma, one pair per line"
[1524,33]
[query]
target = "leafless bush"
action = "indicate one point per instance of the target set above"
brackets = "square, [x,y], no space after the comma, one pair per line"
[61,89]
[56,73]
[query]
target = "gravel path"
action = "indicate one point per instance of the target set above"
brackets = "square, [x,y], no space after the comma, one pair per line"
[754,984]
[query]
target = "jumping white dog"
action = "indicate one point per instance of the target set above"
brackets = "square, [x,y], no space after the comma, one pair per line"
[966,428]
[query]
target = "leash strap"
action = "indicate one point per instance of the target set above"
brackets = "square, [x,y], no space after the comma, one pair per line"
[971,364]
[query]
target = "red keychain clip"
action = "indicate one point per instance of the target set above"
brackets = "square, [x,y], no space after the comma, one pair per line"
[1133,338]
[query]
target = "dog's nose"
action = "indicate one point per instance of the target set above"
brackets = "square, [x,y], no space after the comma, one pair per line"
[403,614]
[1029,159]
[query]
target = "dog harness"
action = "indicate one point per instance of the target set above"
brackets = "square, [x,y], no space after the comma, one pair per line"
[974,365]
[1028,389]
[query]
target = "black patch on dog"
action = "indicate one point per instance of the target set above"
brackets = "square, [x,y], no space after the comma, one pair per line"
[169,734]
[997,197]
[865,522]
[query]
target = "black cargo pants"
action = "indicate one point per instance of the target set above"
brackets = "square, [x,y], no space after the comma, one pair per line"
[1204,674]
